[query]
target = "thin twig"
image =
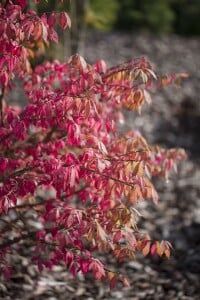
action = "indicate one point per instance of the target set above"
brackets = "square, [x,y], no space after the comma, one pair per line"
[18,239]
[17,173]
[108,177]
[1,106]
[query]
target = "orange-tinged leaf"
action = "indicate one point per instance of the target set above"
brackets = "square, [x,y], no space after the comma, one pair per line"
[165,80]
[90,235]
[110,275]
[78,61]
[38,30]
[132,197]
[159,249]
[128,168]
[179,76]
[112,282]
[122,255]
[138,169]
[167,253]
[138,96]
[118,76]
[116,251]
[183,75]
[138,193]
[148,192]
[31,53]
[146,249]
[87,109]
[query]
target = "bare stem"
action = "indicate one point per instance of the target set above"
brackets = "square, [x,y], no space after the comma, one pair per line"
[108,177]
[16,173]
[1,107]
[18,239]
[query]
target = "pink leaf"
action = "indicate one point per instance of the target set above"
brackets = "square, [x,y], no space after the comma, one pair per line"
[22,3]
[52,19]
[64,20]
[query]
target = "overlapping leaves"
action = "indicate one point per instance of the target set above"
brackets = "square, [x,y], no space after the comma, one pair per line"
[68,181]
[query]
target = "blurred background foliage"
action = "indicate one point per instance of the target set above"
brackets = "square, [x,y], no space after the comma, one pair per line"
[157,16]
[154,16]
[160,16]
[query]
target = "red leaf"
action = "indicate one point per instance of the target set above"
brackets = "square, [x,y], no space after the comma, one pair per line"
[117,236]
[22,3]
[100,66]
[52,19]
[98,270]
[146,249]
[153,249]
[113,282]
[64,20]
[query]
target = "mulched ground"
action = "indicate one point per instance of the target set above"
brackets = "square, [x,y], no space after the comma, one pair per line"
[173,121]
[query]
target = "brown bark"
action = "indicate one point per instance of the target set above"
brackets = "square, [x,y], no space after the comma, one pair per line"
[74,39]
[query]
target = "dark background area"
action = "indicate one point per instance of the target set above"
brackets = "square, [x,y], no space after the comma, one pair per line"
[157,16]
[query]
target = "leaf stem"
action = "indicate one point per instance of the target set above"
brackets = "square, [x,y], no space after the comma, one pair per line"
[1,107]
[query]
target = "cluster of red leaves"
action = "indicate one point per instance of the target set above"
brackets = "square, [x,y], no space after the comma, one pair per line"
[21,33]
[68,181]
